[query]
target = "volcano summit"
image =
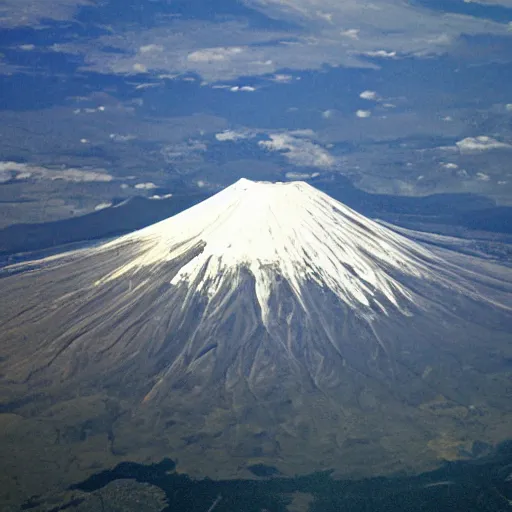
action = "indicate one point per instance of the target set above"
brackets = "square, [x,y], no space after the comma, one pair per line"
[269,325]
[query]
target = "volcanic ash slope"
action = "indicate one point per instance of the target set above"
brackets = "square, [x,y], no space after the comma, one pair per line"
[269,324]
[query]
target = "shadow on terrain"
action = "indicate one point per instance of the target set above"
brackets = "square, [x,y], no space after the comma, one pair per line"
[131,215]
[479,485]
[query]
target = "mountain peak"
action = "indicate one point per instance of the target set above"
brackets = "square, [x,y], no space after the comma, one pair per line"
[269,321]
[290,229]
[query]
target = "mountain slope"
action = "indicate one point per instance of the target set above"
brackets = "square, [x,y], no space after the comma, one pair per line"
[269,324]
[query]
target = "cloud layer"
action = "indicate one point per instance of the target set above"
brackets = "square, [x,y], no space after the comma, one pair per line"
[481,143]
[326,32]
[22,171]
[299,149]
[15,13]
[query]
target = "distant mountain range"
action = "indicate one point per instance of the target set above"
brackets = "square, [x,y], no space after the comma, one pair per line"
[441,212]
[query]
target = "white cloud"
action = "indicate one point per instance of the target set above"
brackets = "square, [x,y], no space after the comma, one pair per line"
[89,110]
[305,133]
[232,135]
[382,54]
[480,143]
[301,175]
[351,33]
[363,113]
[244,88]
[149,85]
[508,107]
[481,176]
[327,16]
[102,206]
[282,78]
[139,67]
[27,47]
[148,48]
[369,95]
[165,196]
[145,186]
[214,54]
[18,171]
[299,150]
[117,137]
[449,166]
[227,50]
[504,3]
[17,13]
[79,175]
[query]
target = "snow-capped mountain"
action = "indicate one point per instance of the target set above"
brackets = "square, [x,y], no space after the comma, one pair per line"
[285,229]
[271,325]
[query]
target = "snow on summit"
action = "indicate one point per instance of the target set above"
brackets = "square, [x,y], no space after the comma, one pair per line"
[287,228]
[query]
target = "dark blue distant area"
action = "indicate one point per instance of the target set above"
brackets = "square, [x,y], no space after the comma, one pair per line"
[212,11]
[53,32]
[493,52]
[130,215]
[52,91]
[144,14]
[332,89]
[124,12]
[55,84]
[445,78]
[42,61]
[497,13]
[418,81]
[470,211]
[32,91]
